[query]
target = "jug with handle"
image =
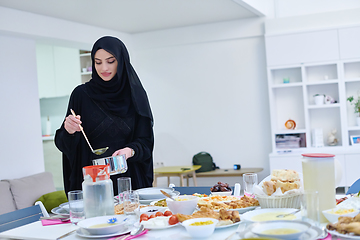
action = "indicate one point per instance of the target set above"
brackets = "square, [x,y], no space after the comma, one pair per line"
[319,174]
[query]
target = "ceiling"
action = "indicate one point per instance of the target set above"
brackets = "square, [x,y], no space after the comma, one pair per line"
[135,16]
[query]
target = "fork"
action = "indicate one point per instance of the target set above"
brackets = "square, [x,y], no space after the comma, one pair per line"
[240,229]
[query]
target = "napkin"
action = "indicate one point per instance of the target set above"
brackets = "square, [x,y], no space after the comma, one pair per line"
[48,222]
[329,237]
[128,236]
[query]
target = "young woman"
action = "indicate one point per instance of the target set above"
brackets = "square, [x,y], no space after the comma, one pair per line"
[114,111]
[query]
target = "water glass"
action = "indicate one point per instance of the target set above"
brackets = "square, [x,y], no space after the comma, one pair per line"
[131,202]
[124,184]
[310,207]
[250,180]
[76,206]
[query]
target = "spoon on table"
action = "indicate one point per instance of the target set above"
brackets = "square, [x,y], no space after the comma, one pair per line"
[96,151]
[287,214]
[169,196]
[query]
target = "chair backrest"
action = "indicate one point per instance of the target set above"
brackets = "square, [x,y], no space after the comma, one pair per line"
[354,188]
[20,217]
[192,190]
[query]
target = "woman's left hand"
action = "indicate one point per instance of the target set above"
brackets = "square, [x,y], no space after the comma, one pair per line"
[124,151]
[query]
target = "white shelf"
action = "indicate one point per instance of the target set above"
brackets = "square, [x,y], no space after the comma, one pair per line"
[86,73]
[48,138]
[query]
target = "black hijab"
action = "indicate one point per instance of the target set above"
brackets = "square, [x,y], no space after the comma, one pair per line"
[124,92]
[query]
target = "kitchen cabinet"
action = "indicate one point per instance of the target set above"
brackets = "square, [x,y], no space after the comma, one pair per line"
[58,70]
[301,65]
[85,62]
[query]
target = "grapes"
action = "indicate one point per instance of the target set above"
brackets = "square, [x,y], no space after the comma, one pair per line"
[220,187]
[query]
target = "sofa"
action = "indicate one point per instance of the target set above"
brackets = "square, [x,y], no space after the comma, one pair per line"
[24,192]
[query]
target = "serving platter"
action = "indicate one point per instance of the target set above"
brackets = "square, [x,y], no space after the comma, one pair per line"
[249,215]
[80,232]
[229,225]
[60,211]
[158,227]
[312,234]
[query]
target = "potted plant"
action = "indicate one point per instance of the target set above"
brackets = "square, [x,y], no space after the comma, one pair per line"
[319,99]
[356,103]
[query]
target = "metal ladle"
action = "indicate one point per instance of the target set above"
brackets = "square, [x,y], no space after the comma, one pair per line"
[96,151]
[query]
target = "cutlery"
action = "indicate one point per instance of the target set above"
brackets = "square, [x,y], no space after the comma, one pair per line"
[138,230]
[240,229]
[287,214]
[129,236]
[96,151]
[66,234]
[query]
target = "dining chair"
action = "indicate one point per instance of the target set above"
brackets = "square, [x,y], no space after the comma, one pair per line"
[192,190]
[354,188]
[20,217]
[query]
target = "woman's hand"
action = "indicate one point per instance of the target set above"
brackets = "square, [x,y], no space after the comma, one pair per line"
[124,151]
[71,124]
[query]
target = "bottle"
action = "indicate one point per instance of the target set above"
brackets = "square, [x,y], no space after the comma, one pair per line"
[48,126]
[319,175]
[98,191]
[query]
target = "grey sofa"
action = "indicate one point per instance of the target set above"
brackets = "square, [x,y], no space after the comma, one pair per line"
[23,192]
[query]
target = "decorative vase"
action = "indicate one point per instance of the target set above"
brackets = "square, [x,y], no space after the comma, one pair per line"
[319,99]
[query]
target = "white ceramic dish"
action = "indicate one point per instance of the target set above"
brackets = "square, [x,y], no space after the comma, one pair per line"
[151,210]
[249,215]
[82,233]
[87,225]
[60,211]
[65,206]
[154,193]
[298,226]
[229,193]
[157,227]
[312,234]
[202,231]
[226,226]
[343,236]
[184,207]
[333,217]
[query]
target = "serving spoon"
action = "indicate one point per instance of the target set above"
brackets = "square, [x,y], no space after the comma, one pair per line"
[96,151]
[287,214]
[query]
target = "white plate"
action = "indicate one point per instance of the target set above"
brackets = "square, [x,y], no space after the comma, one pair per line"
[299,226]
[226,226]
[312,233]
[82,233]
[249,215]
[60,211]
[154,193]
[158,227]
[65,206]
[240,210]
[346,236]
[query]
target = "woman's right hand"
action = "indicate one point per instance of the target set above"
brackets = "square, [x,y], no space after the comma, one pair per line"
[71,124]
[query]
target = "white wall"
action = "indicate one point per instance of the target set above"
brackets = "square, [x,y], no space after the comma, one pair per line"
[20,131]
[207,87]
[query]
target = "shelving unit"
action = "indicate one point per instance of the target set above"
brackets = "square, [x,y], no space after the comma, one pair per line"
[85,63]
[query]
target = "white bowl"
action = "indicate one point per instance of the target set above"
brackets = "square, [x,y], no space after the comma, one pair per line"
[89,225]
[151,210]
[298,226]
[201,231]
[154,193]
[186,205]
[228,193]
[332,217]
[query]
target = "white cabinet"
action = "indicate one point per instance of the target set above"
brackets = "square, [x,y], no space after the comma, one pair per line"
[302,47]
[58,70]
[299,67]
[85,63]
[349,39]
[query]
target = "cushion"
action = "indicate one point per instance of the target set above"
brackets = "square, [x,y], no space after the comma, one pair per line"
[27,189]
[6,199]
[53,199]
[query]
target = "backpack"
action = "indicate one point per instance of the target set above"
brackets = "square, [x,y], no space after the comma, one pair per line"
[205,160]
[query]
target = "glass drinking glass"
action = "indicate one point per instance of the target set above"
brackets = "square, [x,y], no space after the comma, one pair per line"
[76,206]
[250,180]
[131,202]
[310,207]
[124,184]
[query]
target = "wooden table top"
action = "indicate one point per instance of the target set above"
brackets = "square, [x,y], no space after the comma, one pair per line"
[228,172]
[177,169]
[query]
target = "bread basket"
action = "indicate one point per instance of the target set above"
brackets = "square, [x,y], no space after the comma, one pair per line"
[284,201]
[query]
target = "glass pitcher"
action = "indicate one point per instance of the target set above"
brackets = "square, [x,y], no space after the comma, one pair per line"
[319,175]
[98,191]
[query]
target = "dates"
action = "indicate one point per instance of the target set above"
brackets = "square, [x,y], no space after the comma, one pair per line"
[220,187]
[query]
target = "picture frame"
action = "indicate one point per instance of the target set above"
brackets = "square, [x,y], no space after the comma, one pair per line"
[355,140]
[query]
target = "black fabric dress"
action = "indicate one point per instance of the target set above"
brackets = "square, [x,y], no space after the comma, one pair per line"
[114,114]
